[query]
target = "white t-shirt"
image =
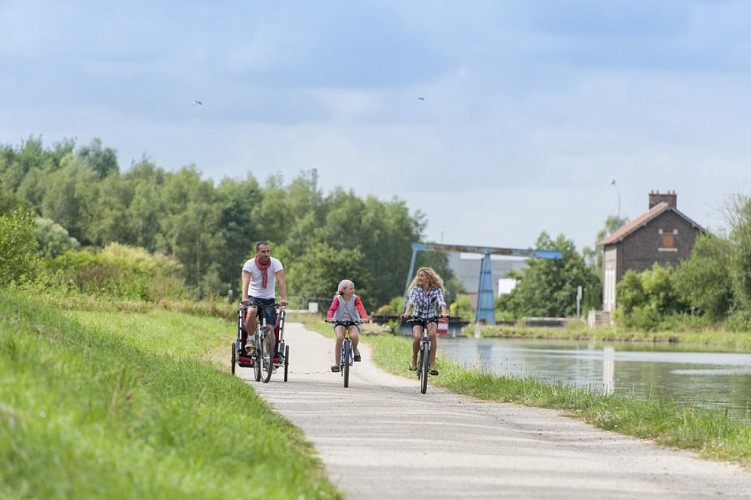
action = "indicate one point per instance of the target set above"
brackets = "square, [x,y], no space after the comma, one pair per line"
[256,278]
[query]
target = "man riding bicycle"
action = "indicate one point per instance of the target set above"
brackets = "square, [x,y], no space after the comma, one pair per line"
[259,278]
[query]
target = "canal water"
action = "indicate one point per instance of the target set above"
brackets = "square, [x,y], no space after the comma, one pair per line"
[671,372]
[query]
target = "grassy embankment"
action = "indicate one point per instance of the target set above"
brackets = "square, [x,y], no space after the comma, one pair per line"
[131,405]
[711,433]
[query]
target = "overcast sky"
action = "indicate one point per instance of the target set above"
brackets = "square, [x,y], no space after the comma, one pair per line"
[497,119]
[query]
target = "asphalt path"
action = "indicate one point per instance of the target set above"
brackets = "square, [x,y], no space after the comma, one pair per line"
[380,438]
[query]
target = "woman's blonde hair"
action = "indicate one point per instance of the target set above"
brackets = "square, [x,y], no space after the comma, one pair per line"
[434,281]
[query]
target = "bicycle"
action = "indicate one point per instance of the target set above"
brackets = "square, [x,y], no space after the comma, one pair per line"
[282,349]
[238,356]
[346,353]
[423,361]
[265,337]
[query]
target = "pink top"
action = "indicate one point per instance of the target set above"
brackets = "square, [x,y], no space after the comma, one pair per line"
[339,299]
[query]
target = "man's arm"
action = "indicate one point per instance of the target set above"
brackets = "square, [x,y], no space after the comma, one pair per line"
[282,286]
[246,283]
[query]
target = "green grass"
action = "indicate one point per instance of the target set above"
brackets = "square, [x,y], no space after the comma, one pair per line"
[711,433]
[131,405]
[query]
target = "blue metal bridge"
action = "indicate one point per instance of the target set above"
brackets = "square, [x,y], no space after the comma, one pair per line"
[485,299]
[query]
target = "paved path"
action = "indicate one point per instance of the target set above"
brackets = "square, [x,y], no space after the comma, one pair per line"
[380,438]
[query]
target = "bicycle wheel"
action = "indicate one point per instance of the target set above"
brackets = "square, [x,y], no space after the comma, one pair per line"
[286,361]
[257,358]
[267,356]
[234,356]
[425,355]
[346,353]
[418,370]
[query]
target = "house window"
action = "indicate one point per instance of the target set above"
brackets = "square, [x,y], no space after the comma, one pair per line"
[668,240]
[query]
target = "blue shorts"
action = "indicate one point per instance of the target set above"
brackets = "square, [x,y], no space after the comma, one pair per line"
[264,305]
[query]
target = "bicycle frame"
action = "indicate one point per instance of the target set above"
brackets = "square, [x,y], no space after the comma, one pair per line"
[346,354]
[423,361]
[263,356]
[277,349]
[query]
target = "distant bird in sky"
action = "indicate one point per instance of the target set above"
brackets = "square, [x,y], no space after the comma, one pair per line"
[420,98]
[197,102]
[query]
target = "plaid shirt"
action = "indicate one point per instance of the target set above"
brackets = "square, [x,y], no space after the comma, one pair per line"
[425,303]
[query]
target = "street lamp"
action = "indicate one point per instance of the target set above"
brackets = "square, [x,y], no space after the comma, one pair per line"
[612,183]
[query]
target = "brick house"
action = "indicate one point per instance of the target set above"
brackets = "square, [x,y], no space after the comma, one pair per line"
[663,234]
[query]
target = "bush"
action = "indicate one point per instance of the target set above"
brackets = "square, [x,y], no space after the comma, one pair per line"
[18,247]
[120,272]
[53,239]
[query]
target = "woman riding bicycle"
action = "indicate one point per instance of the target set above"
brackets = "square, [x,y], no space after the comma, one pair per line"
[426,292]
[346,311]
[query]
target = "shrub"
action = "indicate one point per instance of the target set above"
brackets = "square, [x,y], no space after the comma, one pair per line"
[120,272]
[18,258]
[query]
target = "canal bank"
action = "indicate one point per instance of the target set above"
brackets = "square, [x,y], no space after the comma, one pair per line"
[695,375]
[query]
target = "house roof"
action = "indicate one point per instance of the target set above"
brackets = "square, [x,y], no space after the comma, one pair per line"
[642,220]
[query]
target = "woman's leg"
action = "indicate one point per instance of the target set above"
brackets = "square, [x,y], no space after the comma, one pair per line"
[416,337]
[432,330]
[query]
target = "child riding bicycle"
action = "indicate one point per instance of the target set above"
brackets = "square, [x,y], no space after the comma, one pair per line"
[426,292]
[346,311]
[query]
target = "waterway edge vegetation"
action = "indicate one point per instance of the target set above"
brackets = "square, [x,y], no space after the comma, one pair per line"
[711,433]
[721,339]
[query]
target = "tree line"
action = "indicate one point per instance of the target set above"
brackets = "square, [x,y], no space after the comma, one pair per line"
[82,200]
[149,233]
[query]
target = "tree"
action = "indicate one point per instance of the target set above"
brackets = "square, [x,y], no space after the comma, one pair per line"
[270,212]
[146,211]
[386,242]
[647,298]
[8,202]
[316,274]
[547,288]
[190,229]
[70,196]
[110,222]
[102,161]
[739,263]
[53,239]
[704,280]
[17,247]
[239,230]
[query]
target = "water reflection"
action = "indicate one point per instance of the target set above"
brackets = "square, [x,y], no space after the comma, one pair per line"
[678,373]
[608,370]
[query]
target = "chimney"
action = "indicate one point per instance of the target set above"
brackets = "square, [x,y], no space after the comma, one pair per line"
[655,198]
